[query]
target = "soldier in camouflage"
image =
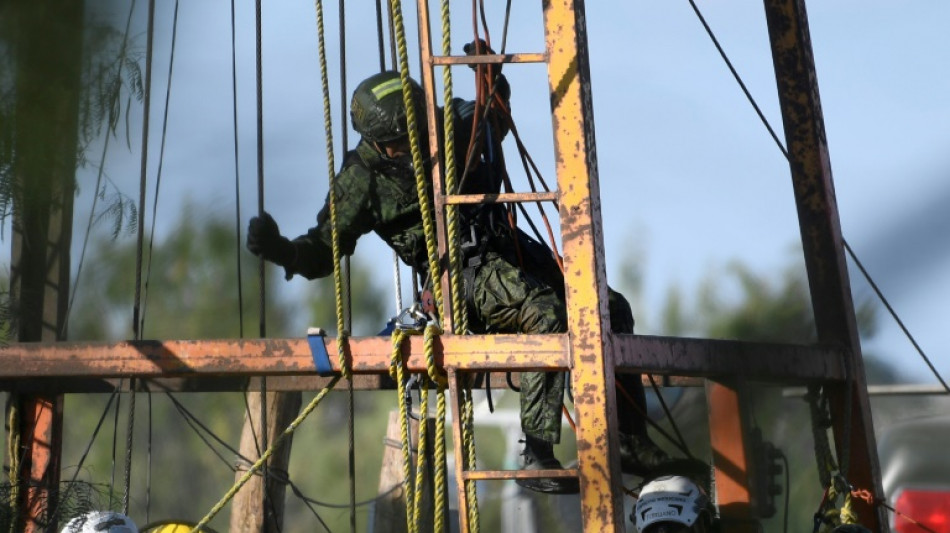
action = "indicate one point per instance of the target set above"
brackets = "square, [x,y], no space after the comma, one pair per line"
[512,282]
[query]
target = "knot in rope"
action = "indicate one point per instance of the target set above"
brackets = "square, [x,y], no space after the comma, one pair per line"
[432,331]
[398,336]
[848,515]
[343,348]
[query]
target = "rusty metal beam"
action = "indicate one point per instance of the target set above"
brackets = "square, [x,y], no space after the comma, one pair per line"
[585,272]
[361,382]
[784,363]
[489,59]
[223,365]
[273,357]
[823,245]
[497,198]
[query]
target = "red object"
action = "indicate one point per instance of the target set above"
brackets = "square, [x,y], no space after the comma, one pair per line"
[930,508]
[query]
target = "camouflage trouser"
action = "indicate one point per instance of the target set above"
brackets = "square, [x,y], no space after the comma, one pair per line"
[503,298]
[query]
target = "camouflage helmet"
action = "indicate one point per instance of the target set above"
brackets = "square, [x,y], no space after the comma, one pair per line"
[378,111]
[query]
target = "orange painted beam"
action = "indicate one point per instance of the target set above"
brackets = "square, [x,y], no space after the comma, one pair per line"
[183,358]
[291,357]
[730,458]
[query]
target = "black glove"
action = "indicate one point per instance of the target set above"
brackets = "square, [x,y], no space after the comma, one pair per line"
[473,48]
[264,240]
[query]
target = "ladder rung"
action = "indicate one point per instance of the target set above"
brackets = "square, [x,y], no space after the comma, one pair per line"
[507,197]
[471,475]
[490,59]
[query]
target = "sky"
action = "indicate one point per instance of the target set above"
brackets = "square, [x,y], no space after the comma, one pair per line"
[689,176]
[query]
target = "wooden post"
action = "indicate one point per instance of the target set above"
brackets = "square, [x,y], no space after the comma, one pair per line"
[247,516]
[390,512]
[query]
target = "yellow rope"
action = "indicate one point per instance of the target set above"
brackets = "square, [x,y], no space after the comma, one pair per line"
[432,331]
[265,456]
[421,451]
[468,438]
[848,516]
[459,310]
[397,372]
[412,125]
[439,476]
[14,453]
[342,333]
[459,314]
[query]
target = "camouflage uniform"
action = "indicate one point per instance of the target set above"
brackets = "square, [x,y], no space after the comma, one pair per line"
[375,193]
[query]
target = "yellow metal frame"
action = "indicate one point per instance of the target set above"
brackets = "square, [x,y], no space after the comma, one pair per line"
[589,350]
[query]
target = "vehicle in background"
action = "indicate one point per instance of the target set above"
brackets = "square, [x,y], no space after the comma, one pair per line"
[915,473]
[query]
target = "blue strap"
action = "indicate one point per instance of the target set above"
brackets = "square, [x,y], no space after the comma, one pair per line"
[318,349]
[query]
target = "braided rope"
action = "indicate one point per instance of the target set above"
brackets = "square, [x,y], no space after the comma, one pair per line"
[397,372]
[459,311]
[252,470]
[342,333]
[468,438]
[848,515]
[431,332]
[421,451]
[417,163]
[439,476]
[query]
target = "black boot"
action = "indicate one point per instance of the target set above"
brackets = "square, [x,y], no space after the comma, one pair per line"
[641,456]
[539,455]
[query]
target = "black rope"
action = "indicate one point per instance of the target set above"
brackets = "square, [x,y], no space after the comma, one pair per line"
[99,175]
[857,262]
[161,159]
[260,210]
[348,319]
[392,36]
[129,434]
[115,443]
[667,411]
[735,74]
[639,409]
[504,31]
[145,118]
[148,470]
[198,427]
[237,174]
[893,313]
[260,165]
[54,515]
[379,37]
[130,430]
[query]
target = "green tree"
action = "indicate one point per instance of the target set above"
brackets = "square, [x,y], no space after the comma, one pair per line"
[42,126]
[191,294]
[743,305]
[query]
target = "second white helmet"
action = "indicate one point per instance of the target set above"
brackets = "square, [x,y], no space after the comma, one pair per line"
[101,522]
[675,499]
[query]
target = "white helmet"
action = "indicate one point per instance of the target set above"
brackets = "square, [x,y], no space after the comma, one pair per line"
[101,522]
[674,499]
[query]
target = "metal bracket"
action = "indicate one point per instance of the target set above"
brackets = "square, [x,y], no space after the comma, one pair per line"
[318,349]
